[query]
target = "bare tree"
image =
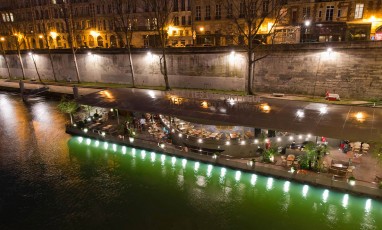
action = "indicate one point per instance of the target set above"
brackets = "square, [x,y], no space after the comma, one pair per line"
[66,9]
[122,11]
[33,28]
[17,38]
[43,19]
[2,40]
[251,18]
[160,11]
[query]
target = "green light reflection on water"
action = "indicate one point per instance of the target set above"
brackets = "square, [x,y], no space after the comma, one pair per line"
[243,199]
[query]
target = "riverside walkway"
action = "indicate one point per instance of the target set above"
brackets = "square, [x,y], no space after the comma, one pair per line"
[367,166]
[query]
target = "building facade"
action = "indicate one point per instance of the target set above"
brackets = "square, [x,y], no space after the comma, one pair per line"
[41,24]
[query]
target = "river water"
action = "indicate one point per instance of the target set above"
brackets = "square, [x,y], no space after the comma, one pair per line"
[49,179]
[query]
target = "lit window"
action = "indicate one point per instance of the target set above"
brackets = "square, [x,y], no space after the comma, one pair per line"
[358,11]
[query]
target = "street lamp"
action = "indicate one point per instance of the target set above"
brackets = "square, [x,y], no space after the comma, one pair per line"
[307,24]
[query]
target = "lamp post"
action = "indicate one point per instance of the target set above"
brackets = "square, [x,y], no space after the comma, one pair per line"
[2,40]
[307,24]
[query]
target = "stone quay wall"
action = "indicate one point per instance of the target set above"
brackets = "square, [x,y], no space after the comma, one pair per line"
[353,70]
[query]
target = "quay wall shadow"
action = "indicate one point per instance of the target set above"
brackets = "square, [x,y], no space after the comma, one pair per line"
[353,70]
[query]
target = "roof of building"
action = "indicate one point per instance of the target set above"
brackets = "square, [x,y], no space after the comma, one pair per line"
[301,117]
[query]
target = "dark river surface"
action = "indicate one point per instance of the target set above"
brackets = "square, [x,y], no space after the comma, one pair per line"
[50,180]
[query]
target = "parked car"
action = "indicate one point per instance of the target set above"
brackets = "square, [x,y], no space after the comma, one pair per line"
[84,47]
[180,45]
[189,45]
[207,45]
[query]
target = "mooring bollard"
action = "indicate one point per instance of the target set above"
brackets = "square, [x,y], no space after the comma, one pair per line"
[75,92]
[21,84]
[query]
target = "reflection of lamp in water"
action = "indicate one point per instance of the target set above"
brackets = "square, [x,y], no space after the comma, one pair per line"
[360,116]
[265,108]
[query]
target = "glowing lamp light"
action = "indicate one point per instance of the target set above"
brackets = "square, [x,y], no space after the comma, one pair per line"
[209,170]
[133,152]
[204,105]
[40,36]
[88,141]
[231,101]
[228,143]
[232,57]
[2,39]
[323,110]
[278,139]
[325,195]
[103,134]
[286,186]
[368,205]
[200,140]
[80,139]
[360,116]
[197,165]
[299,136]
[345,200]
[305,190]
[180,135]
[256,141]
[89,53]
[242,142]
[270,183]
[223,172]
[201,29]
[30,53]
[85,130]
[329,50]
[163,158]
[94,33]
[53,34]
[352,182]
[237,175]
[131,139]
[162,146]
[265,108]
[253,179]
[300,113]
[184,162]
[307,23]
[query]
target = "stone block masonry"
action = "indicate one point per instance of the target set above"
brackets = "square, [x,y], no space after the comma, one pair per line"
[352,70]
